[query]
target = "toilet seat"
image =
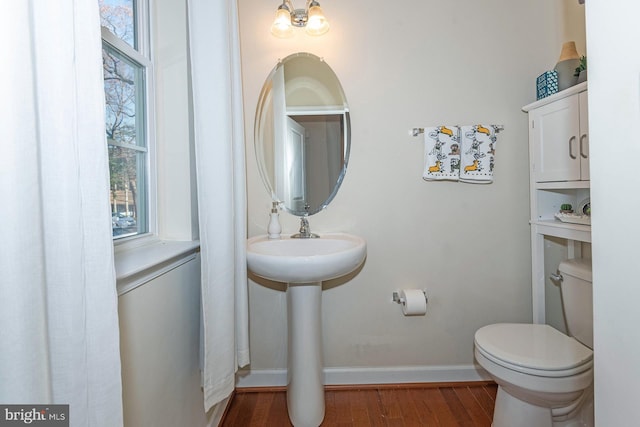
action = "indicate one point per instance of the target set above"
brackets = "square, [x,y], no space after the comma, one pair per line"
[533,349]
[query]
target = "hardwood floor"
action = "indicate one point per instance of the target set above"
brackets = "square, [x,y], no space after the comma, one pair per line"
[447,405]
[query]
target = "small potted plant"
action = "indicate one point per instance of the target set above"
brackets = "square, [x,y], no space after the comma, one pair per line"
[581,70]
[566,208]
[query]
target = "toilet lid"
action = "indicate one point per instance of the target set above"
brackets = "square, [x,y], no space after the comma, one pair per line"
[531,346]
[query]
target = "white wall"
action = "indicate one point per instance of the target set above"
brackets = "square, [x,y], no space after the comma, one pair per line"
[416,64]
[177,200]
[614,116]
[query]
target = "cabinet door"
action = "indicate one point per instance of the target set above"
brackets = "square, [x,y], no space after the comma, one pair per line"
[584,137]
[554,133]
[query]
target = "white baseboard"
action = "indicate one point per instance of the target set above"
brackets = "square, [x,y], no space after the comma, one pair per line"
[369,375]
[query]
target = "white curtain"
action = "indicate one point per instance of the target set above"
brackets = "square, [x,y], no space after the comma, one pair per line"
[58,305]
[220,162]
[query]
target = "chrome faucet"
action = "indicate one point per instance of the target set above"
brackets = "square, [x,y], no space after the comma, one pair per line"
[305,230]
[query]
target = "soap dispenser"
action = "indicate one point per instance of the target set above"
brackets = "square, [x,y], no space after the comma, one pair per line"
[274,227]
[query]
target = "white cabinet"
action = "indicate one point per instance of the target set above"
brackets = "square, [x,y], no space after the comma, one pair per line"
[559,174]
[560,140]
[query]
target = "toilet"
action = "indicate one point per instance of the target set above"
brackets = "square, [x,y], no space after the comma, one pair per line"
[544,377]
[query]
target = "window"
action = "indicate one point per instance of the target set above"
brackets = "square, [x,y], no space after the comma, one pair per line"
[127,73]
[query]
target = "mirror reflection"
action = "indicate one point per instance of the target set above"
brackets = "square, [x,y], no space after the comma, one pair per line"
[302,134]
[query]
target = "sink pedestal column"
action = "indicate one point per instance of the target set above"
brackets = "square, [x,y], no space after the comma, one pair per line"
[305,384]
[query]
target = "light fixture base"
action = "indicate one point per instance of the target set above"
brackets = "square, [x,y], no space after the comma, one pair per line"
[299,18]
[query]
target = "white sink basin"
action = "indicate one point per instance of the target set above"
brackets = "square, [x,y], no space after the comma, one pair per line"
[305,260]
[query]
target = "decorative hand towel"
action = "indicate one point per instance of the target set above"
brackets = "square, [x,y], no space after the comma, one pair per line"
[441,153]
[478,144]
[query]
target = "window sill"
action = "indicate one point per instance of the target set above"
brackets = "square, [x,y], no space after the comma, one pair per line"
[139,264]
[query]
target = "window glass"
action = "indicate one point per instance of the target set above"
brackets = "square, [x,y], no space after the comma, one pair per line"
[119,17]
[124,98]
[128,191]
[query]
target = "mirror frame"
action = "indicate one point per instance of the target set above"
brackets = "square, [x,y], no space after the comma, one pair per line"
[263,110]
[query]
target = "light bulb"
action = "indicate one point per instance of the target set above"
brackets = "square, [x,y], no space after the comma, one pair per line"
[281,26]
[317,23]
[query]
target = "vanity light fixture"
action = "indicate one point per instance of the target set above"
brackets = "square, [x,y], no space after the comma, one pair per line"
[311,18]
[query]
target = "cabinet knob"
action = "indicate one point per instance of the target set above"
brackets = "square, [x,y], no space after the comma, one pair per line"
[573,138]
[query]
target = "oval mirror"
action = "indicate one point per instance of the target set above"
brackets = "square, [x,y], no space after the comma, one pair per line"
[302,134]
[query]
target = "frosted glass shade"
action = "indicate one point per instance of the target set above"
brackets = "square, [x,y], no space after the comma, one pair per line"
[317,23]
[281,26]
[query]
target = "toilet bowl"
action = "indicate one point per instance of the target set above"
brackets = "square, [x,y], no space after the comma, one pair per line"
[542,374]
[544,377]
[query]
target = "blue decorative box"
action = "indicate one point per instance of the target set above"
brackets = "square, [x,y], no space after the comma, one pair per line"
[547,84]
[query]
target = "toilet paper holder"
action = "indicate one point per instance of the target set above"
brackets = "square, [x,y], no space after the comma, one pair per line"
[398,300]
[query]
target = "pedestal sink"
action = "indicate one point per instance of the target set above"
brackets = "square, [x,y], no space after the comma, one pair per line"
[304,264]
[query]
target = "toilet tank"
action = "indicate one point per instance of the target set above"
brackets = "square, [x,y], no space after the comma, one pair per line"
[577,298]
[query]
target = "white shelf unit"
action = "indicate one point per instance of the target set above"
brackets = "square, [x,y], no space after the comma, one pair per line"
[559,173]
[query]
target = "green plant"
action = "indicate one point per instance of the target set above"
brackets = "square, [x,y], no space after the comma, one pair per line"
[565,207]
[582,66]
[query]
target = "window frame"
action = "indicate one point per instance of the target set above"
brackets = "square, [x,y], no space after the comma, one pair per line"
[142,55]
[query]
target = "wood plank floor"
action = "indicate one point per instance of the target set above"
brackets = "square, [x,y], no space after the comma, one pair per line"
[467,405]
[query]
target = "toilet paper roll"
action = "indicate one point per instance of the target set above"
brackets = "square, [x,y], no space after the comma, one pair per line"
[413,302]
